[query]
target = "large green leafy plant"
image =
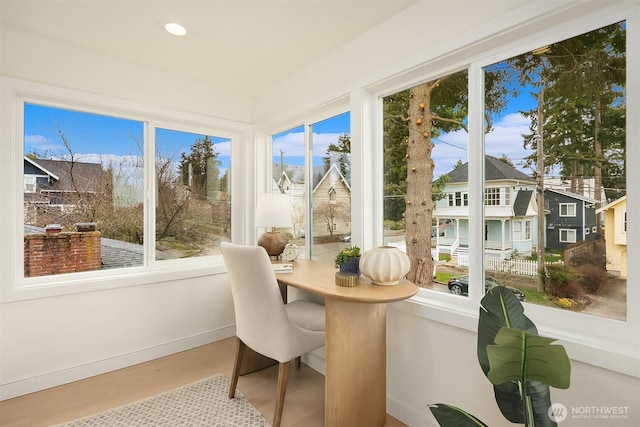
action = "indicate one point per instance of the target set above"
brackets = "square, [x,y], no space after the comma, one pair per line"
[519,363]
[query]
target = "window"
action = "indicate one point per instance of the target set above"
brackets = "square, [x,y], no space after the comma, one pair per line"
[567,209]
[492,197]
[441,134]
[331,187]
[567,235]
[84,185]
[328,222]
[557,93]
[193,206]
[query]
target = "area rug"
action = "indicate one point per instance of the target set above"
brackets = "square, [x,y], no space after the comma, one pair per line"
[203,403]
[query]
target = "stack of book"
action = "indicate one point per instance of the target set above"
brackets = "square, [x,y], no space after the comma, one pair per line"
[282,268]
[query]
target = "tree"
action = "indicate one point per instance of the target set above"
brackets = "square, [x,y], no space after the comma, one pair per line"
[583,80]
[339,153]
[412,119]
[199,169]
[330,212]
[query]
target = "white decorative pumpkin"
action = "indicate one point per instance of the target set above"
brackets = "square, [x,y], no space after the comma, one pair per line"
[384,265]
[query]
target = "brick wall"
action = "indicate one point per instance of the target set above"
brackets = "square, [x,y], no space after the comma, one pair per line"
[57,253]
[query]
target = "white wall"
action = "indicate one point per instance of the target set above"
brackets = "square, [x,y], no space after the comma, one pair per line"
[53,340]
[60,338]
[432,362]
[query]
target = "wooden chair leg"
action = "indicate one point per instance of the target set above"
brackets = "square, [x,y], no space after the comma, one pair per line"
[236,367]
[283,374]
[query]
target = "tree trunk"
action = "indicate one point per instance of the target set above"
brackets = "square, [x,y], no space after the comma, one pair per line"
[597,148]
[419,205]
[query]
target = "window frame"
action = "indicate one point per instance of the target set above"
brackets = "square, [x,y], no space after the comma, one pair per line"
[600,341]
[571,235]
[17,93]
[568,213]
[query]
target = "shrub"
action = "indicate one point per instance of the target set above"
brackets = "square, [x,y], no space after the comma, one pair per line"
[571,290]
[593,277]
[557,275]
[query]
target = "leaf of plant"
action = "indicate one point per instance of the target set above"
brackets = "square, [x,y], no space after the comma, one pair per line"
[448,415]
[500,308]
[520,356]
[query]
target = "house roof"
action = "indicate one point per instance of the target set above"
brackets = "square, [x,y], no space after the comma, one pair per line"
[328,173]
[87,176]
[494,170]
[613,204]
[572,195]
[521,204]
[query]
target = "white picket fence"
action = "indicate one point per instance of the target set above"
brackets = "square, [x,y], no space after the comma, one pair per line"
[518,266]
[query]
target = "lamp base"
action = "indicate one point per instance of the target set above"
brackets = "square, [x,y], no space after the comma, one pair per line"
[273,242]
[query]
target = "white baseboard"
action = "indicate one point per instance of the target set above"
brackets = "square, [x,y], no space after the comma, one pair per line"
[408,415]
[315,360]
[64,376]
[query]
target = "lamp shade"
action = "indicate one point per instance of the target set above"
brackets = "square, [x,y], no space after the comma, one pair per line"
[273,210]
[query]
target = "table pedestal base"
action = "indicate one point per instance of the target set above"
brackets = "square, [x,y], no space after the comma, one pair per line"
[355,381]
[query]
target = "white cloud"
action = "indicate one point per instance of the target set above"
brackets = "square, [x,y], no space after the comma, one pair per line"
[40,143]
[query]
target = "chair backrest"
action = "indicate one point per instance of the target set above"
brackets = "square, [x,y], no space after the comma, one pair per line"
[261,319]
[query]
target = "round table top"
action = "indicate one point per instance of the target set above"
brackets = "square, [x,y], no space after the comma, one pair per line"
[319,277]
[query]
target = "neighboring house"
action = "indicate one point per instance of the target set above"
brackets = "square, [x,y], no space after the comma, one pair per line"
[52,186]
[510,211]
[570,218]
[332,204]
[296,192]
[615,235]
[585,187]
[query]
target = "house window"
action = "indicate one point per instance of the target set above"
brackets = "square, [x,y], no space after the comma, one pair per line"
[492,197]
[86,176]
[567,235]
[527,230]
[29,184]
[567,209]
[624,225]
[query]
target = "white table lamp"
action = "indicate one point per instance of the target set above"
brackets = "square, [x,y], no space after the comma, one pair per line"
[273,211]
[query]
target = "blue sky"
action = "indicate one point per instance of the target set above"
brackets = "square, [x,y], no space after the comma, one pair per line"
[94,137]
[505,139]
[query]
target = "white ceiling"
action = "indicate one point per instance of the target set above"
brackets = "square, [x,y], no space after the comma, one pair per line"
[238,45]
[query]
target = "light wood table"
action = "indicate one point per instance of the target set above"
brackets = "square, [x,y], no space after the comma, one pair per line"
[356,353]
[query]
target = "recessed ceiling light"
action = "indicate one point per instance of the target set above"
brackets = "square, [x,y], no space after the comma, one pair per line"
[175,29]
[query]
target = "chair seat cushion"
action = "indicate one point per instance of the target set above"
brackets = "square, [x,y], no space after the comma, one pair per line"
[306,314]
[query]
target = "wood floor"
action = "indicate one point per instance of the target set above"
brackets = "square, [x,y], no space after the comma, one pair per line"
[304,403]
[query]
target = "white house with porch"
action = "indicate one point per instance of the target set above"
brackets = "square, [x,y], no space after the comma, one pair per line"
[510,211]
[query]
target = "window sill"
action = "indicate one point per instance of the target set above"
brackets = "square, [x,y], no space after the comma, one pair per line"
[604,348]
[98,281]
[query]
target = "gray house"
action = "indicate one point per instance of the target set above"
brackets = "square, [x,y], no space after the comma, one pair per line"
[571,218]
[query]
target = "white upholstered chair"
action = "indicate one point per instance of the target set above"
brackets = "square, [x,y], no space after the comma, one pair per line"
[264,322]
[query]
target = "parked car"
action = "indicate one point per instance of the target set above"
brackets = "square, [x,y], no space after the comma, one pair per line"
[460,286]
[345,237]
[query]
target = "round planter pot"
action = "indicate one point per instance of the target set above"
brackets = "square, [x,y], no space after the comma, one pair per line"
[384,265]
[351,266]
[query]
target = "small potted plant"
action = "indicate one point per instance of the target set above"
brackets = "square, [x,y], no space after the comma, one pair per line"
[348,260]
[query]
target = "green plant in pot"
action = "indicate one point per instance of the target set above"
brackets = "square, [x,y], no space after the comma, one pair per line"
[520,364]
[348,260]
